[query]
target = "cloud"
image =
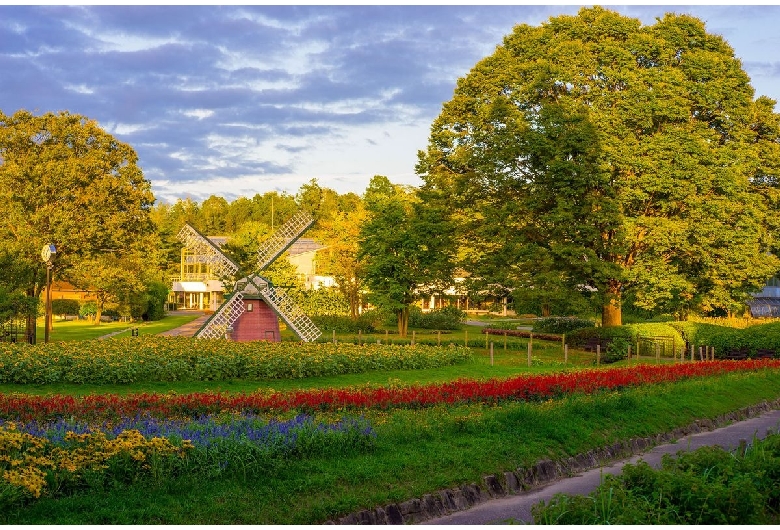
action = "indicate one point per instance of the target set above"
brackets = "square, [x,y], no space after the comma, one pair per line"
[242,99]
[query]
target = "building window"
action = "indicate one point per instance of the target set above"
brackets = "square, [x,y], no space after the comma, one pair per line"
[249,306]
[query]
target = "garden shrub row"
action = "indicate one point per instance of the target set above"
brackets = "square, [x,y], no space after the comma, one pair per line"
[751,340]
[708,486]
[560,325]
[154,358]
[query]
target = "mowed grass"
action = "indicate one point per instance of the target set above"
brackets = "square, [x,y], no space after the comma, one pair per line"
[417,452]
[77,330]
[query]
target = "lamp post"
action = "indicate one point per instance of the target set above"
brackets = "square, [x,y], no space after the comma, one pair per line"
[47,254]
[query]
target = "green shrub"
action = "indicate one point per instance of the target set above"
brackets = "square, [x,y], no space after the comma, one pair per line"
[64,307]
[342,324]
[706,486]
[446,318]
[561,324]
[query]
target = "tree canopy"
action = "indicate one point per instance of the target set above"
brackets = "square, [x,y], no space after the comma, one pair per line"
[626,159]
[65,181]
[405,246]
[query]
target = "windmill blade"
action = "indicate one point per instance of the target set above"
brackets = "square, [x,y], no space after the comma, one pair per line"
[292,315]
[274,246]
[225,316]
[207,251]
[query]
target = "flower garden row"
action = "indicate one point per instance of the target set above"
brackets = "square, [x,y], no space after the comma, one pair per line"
[153,358]
[60,457]
[103,407]
[121,439]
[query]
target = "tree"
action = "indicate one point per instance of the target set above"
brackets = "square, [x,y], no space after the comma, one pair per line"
[112,279]
[406,247]
[65,181]
[340,258]
[631,156]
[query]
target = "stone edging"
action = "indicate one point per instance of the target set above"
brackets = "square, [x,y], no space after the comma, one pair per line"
[448,501]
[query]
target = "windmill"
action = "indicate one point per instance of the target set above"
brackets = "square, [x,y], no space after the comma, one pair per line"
[253,309]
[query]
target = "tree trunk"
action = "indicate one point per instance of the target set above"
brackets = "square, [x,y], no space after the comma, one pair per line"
[31,323]
[545,310]
[98,312]
[403,321]
[611,311]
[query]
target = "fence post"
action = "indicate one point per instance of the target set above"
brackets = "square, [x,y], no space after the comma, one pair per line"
[413,335]
[691,352]
[334,336]
[563,342]
[637,349]
[491,354]
[657,353]
[713,353]
[598,354]
[530,350]
[701,354]
[565,354]
[387,335]
[360,337]
[438,338]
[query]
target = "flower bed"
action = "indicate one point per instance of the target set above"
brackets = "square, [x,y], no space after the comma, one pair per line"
[153,358]
[526,387]
[39,458]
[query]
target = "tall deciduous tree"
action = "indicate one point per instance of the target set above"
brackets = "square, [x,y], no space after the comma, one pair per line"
[634,158]
[340,259]
[406,247]
[63,180]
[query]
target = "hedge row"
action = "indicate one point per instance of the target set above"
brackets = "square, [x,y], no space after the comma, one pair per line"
[154,358]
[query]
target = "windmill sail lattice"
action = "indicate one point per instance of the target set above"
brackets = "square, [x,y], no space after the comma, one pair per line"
[292,315]
[281,240]
[207,251]
[216,327]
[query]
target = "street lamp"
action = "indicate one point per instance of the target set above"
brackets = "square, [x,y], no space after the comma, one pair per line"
[47,254]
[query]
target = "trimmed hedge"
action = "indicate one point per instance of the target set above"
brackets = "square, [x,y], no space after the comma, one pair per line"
[561,324]
[727,340]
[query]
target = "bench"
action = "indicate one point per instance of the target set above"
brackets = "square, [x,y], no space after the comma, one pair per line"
[763,354]
[737,355]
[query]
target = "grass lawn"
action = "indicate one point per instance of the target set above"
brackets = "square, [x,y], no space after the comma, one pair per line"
[73,330]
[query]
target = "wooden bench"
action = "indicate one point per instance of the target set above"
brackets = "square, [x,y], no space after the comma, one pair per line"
[763,354]
[737,355]
[591,344]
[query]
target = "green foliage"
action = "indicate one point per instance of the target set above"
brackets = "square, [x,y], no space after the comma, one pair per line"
[88,310]
[156,297]
[326,301]
[150,358]
[561,325]
[16,306]
[344,324]
[446,318]
[591,150]
[406,247]
[706,486]
[63,306]
[725,339]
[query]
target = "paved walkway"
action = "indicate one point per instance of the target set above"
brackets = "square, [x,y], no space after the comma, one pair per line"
[189,329]
[517,508]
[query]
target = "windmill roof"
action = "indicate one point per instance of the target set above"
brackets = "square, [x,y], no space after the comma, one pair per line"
[218,240]
[304,245]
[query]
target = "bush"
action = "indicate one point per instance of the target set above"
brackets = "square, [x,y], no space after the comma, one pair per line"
[561,325]
[446,318]
[88,310]
[726,340]
[706,486]
[342,324]
[65,307]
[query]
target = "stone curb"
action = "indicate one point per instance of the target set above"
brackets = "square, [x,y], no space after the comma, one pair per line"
[448,501]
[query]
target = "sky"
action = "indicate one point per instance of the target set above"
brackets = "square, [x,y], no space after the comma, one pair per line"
[234,101]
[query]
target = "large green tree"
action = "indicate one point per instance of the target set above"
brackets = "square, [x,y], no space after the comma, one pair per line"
[621,158]
[65,181]
[406,248]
